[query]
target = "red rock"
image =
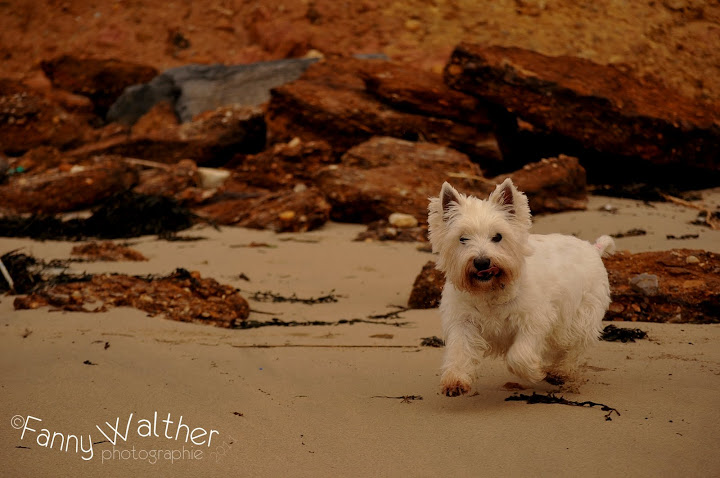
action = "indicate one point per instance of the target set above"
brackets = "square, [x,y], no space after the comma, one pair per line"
[598,106]
[329,102]
[70,101]
[688,292]
[211,139]
[551,185]
[283,165]
[40,159]
[386,175]
[423,92]
[102,80]
[29,119]
[183,296]
[54,192]
[172,180]
[283,211]
[161,121]
[427,288]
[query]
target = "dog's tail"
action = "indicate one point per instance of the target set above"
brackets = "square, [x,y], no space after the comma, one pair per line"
[605,245]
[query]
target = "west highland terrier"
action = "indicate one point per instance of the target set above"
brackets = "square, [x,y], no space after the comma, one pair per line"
[538,300]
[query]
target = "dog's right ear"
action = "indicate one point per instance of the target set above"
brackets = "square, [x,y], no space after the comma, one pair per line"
[448,195]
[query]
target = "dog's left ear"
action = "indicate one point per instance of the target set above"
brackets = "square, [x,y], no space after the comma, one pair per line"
[513,201]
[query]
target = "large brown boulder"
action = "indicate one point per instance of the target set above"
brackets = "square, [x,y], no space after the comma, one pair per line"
[330,102]
[283,165]
[211,139]
[599,107]
[298,210]
[101,80]
[551,184]
[56,190]
[386,175]
[424,92]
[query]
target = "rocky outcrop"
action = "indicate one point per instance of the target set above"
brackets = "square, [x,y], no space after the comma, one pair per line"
[598,107]
[330,102]
[551,184]
[60,191]
[211,139]
[387,175]
[679,285]
[297,210]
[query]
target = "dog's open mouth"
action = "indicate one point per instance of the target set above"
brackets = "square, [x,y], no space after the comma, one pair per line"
[488,274]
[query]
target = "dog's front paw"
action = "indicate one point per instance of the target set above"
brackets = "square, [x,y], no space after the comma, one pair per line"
[455,388]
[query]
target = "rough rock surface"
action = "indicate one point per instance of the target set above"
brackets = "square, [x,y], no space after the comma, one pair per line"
[183,296]
[687,291]
[177,180]
[159,121]
[29,119]
[211,139]
[424,92]
[102,80]
[386,175]
[600,107]
[551,184]
[329,102]
[283,165]
[283,211]
[58,191]
[427,288]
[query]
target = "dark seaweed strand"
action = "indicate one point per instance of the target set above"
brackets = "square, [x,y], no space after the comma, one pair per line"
[269,296]
[613,334]
[275,322]
[552,398]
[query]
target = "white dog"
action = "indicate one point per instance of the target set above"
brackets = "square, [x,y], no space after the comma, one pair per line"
[537,300]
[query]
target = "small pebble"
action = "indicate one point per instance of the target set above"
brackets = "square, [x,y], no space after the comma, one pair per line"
[692,260]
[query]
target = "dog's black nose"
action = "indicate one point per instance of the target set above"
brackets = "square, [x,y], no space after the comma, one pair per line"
[481,263]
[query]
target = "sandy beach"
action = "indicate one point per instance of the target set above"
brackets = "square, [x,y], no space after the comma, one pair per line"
[358,399]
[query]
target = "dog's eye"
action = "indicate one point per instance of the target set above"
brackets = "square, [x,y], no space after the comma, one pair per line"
[464,240]
[497,237]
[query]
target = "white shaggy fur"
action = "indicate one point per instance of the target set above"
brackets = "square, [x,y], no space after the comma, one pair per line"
[537,300]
